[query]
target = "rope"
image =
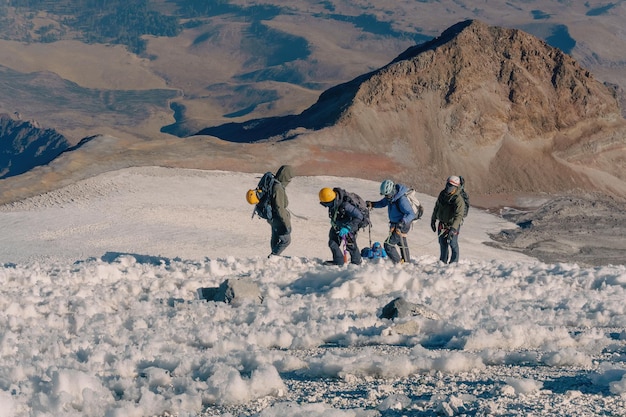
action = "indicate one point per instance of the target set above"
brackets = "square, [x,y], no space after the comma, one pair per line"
[345,249]
[435,238]
[299,217]
[429,242]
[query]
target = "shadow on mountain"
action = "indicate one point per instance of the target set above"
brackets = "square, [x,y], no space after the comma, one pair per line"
[111,257]
[602,10]
[327,111]
[24,145]
[555,35]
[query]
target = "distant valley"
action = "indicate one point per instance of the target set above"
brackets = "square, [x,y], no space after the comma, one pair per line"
[186,69]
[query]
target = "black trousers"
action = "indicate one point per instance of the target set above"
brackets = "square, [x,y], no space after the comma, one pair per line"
[334,243]
[397,240]
[281,238]
[448,241]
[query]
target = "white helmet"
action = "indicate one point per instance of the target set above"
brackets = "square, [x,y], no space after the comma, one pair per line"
[454,180]
[387,187]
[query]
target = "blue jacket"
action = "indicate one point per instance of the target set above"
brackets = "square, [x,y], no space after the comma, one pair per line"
[398,207]
[375,252]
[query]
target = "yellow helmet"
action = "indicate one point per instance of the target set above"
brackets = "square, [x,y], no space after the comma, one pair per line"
[251,197]
[327,195]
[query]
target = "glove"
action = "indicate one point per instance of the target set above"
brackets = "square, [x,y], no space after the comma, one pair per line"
[453,232]
[344,231]
[369,205]
[433,225]
[401,227]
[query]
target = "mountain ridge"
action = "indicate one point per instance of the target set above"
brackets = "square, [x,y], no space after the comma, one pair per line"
[439,108]
[24,144]
[476,100]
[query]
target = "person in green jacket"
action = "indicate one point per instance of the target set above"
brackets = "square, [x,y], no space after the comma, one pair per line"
[281,218]
[449,210]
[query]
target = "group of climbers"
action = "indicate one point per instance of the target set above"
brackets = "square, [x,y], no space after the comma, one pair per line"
[349,214]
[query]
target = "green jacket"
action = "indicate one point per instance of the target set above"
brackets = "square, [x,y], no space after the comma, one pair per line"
[449,210]
[281,218]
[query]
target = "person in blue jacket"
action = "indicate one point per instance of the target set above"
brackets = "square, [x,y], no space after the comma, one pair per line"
[401,215]
[375,252]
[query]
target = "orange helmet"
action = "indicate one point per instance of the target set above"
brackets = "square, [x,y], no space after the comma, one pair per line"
[252,197]
[327,195]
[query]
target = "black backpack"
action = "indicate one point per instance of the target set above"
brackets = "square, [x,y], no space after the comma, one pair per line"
[359,203]
[263,208]
[465,196]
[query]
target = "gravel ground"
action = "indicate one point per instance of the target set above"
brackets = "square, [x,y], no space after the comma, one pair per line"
[587,230]
[565,391]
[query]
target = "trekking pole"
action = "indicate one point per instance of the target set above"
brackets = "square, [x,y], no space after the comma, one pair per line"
[345,249]
[369,229]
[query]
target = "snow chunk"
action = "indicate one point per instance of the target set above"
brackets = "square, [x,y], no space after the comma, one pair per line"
[227,386]
[524,386]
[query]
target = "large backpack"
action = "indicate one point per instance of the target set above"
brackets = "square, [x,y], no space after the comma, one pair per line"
[417,207]
[465,196]
[359,203]
[263,208]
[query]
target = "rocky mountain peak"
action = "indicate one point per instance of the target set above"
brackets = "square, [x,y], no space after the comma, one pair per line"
[499,76]
[499,106]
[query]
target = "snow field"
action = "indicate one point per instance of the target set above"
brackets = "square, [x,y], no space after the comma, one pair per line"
[99,313]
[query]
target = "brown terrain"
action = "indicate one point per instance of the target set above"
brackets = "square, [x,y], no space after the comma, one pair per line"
[513,115]
[509,112]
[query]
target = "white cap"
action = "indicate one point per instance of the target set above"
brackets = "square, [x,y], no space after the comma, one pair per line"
[454,180]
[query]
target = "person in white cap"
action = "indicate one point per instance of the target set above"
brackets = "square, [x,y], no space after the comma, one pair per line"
[449,210]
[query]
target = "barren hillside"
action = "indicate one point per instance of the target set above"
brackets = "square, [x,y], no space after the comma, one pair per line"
[499,106]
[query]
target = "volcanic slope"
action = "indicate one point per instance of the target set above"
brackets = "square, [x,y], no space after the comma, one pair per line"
[512,114]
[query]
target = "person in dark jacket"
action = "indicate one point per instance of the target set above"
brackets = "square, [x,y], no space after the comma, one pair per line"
[449,210]
[401,215]
[344,224]
[281,218]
